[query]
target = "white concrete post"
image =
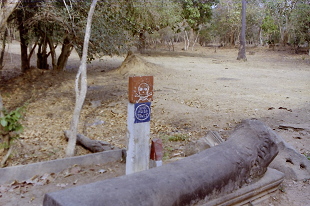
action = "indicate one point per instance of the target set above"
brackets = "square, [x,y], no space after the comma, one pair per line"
[138,123]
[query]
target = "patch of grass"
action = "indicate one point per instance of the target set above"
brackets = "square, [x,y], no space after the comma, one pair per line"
[50,154]
[306,179]
[53,152]
[169,149]
[164,138]
[307,155]
[282,188]
[178,137]
[166,156]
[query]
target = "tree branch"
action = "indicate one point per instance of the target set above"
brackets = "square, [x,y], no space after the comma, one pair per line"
[90,144]
[80,95]
[6,157]
[1,106]
[6,10]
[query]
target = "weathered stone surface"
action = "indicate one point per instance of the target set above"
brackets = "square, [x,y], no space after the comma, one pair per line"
[293,164]
[253,193]
[217,171]
[211,139]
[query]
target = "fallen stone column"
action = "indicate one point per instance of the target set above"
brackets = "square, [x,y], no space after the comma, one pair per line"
[214,172]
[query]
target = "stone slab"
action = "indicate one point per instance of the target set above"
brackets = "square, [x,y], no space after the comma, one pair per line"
[24,172]
[251,193]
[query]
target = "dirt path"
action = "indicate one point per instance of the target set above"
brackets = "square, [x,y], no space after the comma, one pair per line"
[194,92]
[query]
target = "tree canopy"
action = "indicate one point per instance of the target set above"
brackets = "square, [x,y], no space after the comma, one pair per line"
[117,25]
[197,12]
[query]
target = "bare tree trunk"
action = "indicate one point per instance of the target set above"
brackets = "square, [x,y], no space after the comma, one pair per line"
[5,158]
[90,144]
[196,38]
[259,36]
[53,52]
[6,9]
[64,55]
[80,94]
[3,50]
[32,51]
[25,64]
[141,46]
[1,106]
[42,54]
[241,54]
[184,42]
[186,39]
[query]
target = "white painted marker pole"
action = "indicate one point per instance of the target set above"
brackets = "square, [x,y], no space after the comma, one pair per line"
[138,150]
[138,123]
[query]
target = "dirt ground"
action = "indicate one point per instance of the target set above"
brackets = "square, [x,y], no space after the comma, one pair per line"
[194,92]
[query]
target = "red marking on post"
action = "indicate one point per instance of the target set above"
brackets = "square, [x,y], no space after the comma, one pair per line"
[140,89]
[156,149]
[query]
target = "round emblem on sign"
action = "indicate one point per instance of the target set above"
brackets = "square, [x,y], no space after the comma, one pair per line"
[142,112]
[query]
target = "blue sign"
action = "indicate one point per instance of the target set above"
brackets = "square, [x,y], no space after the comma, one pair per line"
[142,112]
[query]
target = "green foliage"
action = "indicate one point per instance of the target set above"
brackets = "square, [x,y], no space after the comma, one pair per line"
[11,124]
[254,16]
[306,180]
[280,24]
[109,33]
[4,145]
[166,156]
[151,16]
[163,137]
[178,137]
[173,138]
[269,25]
[282,21]
[301,22]
[11,120]
[308,156]
[169,149]
[226,22]
[61,23]
[282,188]
[205,35]
[197,12]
